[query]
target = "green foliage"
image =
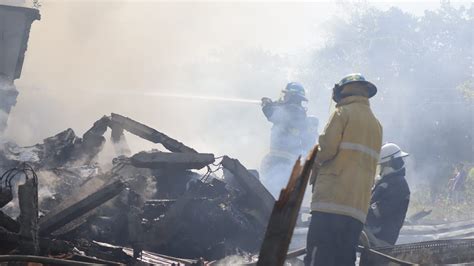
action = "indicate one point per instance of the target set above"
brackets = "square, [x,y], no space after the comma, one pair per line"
[443,204]
[467,89]
[443,207]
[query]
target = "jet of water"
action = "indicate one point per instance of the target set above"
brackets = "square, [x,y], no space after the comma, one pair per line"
[183,96]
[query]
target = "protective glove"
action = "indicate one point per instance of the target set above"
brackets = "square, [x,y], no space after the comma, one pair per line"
[375,209]
[266,100]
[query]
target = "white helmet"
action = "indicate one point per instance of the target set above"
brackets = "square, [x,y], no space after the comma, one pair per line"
[391,151]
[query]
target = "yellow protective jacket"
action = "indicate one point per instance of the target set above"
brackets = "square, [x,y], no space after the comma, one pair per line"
[348,156]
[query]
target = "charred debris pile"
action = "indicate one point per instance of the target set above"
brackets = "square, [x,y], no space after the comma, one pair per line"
[57,202]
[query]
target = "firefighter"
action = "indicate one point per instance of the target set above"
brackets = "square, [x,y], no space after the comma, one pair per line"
[346,165]
[457,184]
[390,196]
[293,134]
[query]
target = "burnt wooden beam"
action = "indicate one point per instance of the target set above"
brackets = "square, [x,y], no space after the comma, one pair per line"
[260,198]
[171,160]
[150,134]
[56,220]
[11,241]
[285,213]
[9,223]
[28,201]
[169,225]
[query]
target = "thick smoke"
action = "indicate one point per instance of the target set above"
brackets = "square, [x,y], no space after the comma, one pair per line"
[420,64]
[81,51]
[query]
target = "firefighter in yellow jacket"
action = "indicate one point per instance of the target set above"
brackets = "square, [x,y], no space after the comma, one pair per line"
[347,161]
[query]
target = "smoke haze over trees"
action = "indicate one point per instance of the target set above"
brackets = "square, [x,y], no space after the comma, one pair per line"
[422,64]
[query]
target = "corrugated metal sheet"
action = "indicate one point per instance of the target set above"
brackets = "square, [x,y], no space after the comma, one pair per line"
[154,258]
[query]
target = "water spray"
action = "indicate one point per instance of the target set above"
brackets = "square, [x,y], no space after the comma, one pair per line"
[183,96]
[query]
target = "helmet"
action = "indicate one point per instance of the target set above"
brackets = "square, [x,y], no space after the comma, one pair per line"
[295,89]
[356,77]
[391,151]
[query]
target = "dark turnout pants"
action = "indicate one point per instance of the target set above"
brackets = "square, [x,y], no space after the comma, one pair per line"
[332,240]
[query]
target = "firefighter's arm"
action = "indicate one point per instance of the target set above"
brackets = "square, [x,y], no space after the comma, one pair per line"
[330,139]
[391,199]
[267,108]
[377,204]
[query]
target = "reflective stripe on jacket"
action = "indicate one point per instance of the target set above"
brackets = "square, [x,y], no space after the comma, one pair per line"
[349,152]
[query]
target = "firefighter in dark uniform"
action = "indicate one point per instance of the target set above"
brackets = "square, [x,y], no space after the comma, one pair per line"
[293,134]
[390,196]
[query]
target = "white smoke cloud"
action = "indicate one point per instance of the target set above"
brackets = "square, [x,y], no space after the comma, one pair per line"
[246,50]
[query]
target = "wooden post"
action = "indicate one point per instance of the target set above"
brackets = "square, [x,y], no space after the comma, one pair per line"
[28,199]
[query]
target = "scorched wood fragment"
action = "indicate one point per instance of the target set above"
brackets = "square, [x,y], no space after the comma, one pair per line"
[54,221]
[258,196]
[8,223]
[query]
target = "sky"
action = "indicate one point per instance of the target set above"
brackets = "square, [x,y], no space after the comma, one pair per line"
[80,52]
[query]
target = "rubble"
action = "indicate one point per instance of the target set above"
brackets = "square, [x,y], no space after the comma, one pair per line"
[257,196]
[8,223]
[56,219]
[129,211]
[149,203]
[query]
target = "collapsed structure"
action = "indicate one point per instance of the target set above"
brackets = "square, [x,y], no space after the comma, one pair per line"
[56,200]
[153,201]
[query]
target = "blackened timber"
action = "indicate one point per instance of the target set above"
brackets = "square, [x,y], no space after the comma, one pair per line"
[10,240]
[8,223]
[285,213]
[171,222]
[134,218]
[252,187]
[55,221]
[150,134]
[28,201]
[173,160]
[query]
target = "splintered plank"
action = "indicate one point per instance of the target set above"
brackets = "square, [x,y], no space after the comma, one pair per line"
[285,213]
[56,220]
[150,134]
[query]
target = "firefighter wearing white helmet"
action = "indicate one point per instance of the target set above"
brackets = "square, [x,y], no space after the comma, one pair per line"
[389,152]
[390,195]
